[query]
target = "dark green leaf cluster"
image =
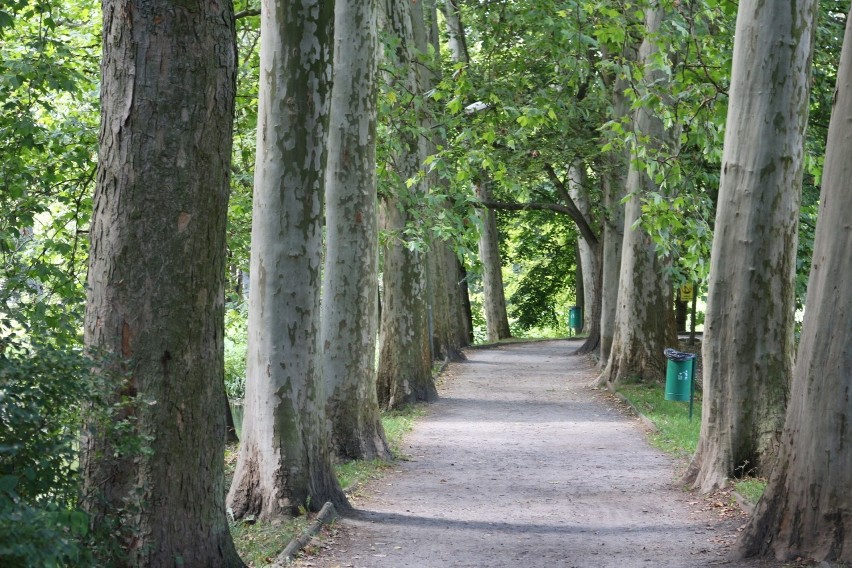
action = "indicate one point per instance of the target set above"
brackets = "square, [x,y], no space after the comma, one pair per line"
[48,396]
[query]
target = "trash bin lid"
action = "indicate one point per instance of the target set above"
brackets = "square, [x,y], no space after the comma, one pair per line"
[675,355]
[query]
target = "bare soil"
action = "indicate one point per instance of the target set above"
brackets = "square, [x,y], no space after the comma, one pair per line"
[523,463]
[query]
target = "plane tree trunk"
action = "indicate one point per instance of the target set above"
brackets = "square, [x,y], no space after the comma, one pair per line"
[405,359]
[805,510]
[155,306]
[285,461]
[642,324]
[350,296]
[748,339]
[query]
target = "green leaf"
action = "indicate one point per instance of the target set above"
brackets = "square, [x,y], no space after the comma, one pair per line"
[8,483]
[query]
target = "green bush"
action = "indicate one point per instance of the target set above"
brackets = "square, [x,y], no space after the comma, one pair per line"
[236,338]
[46,393]
[42,389]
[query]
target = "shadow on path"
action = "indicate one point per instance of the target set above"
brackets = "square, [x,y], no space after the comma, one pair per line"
[521,462]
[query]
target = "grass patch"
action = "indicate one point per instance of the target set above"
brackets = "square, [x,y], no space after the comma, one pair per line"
[677,434]
[260,543]
[353,473]
[751,488]
[397,423]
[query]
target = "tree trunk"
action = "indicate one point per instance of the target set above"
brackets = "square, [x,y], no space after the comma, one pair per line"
[284,460]
[590,260]
[350,298]
[642,323]
[496,318]
[441,274]
[467,314]
[156,279]
[405,361]
[456,292]
[463,323]
[230,427]
[681,313]
[614,190]
[748,340]
[805,510]
[457,40]
[577,187]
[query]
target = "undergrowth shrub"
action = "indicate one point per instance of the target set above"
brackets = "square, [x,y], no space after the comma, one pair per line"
[47,392]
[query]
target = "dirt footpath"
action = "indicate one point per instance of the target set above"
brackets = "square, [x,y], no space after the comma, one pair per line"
[522,463]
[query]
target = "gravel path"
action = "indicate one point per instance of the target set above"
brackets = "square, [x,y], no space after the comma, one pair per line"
[522,463]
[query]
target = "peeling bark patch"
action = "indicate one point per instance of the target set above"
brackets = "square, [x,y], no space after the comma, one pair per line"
[183,221]
[125,340]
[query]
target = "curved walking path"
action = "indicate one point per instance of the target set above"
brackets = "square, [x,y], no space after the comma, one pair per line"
[522,463]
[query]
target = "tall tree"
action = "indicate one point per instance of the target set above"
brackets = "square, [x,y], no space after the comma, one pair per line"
[642,326]
[405,359]
[350,294]
[494,297]
[284,460]
[156,276]
[614,188]
[589,259]
[445,301]
[748,360]
[496,317]
[805,510]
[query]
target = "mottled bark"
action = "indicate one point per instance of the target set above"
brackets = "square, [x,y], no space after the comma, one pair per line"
[444,298]
[590,260]
[350,296]
[806,510]
[614,189]
[494,297]
[748,360]
[405,360]
[460,324]
[156,279]
[643,327]
[284,460]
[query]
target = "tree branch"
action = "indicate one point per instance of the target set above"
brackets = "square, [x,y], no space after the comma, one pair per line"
[554,207]
[247,12]
[572,210]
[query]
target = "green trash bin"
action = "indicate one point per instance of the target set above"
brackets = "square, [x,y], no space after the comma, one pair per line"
[575,318]
[680,371]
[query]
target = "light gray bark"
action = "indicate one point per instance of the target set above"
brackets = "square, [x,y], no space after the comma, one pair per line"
[643,327]
[748,360]
[494,297]
[284,460]
[155,305]
[805,510]
[577,187]
[350,294]
[455,31]
[589,255]
[405,360]
[614,190]
[444,294]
